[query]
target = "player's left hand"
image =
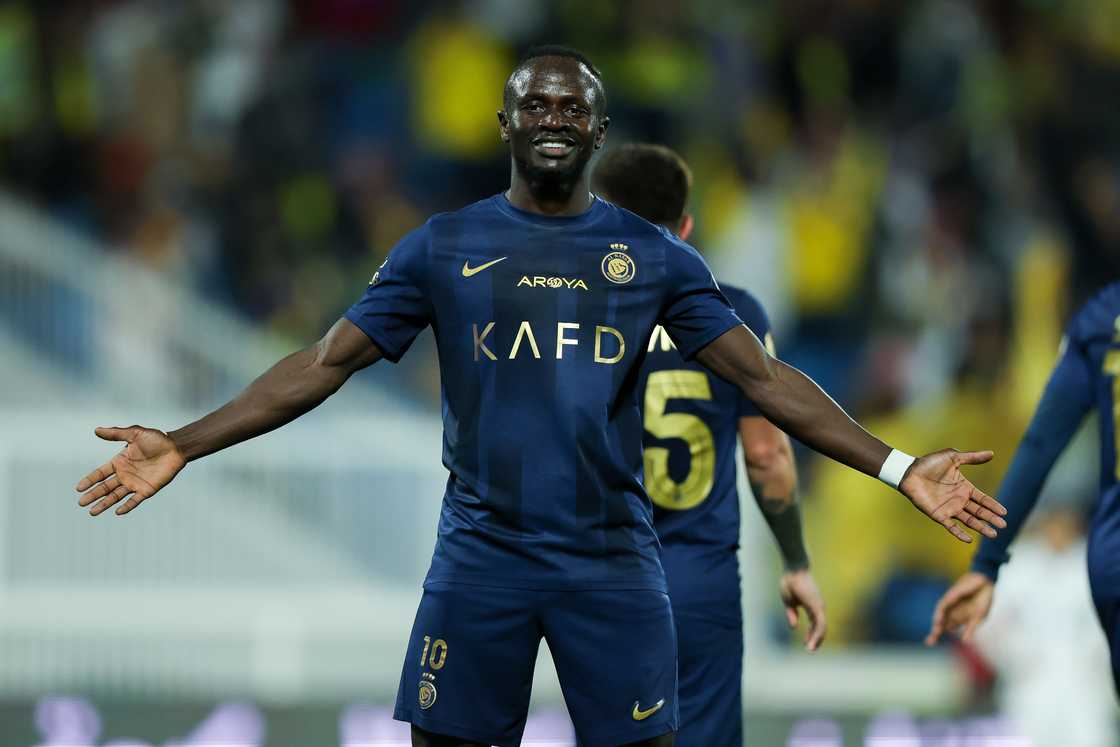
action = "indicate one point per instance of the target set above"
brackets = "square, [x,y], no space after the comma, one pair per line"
[798,589]
[963,606]
[935,485]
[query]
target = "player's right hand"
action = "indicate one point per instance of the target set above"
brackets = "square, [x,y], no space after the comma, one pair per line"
[964,605]
[148,461]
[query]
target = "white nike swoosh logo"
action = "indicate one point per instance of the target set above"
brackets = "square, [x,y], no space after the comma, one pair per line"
[468,270]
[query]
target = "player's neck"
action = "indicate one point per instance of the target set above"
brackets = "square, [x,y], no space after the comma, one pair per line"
[550,197]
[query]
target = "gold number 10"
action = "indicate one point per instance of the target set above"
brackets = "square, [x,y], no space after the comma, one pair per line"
[439,653]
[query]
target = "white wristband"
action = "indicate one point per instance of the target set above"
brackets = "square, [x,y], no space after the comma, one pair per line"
[895,467]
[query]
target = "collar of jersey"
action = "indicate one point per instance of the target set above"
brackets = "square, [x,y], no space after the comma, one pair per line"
[597,210]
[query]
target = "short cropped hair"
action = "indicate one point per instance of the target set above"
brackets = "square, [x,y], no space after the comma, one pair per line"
[650,180]
[554,50]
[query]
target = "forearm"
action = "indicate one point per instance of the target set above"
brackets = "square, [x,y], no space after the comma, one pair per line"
[1019,492]
[292,387]
[1059,414]
[783,516]
[773,478]
[794,402]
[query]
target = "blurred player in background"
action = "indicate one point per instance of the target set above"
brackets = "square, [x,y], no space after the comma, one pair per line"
[692,420]
[1051,658]
[1087,376]
[542,300]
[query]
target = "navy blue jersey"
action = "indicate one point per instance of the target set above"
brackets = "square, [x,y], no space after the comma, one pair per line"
[690,441]
[1087,375]
[541,326]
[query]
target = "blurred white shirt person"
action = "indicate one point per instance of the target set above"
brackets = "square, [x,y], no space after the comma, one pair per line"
[1042,638]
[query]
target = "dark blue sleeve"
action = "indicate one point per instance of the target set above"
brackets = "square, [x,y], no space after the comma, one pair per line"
[1068,396]
[695,312]
[395,307]
[754,316]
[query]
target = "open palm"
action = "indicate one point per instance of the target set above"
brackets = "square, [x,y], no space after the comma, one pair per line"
[936,486]
[148,461]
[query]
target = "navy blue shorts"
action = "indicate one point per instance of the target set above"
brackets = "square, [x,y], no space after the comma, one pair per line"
[710,668]
[469,667]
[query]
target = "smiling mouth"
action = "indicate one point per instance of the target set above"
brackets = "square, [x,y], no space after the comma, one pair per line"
[553,147]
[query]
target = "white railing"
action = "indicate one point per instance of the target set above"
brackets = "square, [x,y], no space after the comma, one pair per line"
[134,334]
[285,567]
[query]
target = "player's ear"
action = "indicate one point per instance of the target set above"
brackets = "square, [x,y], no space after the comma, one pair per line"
[503,126]
[684,228]
[601,132]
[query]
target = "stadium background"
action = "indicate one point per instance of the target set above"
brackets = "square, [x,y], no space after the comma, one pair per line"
[918,191]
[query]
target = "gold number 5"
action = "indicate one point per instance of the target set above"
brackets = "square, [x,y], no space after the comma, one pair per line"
[661,387]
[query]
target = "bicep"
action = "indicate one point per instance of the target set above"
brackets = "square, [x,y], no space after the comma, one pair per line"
[347,348]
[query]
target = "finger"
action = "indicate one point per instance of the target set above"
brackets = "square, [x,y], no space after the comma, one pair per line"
[110,500]
[132,503]
[974,457]
[987,515]
[99,474]
[955,594]
[99,490]
[970,629]
[937,624]
[791,616]
[816,633]
[937,628]
[950,623]
[988,501]
[117,434]
[973,523]
[957,532]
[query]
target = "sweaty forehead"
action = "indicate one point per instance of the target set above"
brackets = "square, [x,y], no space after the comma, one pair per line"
[554,76]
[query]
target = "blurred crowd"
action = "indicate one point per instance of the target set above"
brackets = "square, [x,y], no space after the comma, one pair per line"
[918,191]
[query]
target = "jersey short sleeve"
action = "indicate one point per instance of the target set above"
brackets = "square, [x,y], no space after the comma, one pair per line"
[748,308]
[696,311]
[395,307]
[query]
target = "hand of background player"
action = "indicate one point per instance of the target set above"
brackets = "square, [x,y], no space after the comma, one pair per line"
[935,485]
[798,589]
[966,604]
[148,461]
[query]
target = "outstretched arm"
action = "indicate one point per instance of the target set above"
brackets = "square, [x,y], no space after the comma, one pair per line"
[295,385]
[1065,401]
[793,402]
[292,387]
[773,478]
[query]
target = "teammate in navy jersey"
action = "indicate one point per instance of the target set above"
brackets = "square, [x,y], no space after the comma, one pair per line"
[692,422]
[1086,377]
[542,300]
